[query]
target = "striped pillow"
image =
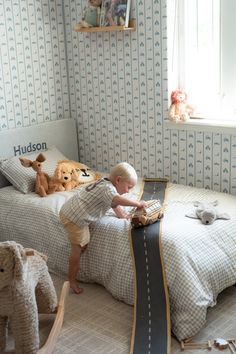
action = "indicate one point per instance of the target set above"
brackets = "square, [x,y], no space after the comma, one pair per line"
[23,178]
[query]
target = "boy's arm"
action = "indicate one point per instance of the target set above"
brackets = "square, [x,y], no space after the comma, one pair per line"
[119,200]
[120,213]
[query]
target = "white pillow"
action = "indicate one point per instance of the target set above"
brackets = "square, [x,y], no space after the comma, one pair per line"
[23,178]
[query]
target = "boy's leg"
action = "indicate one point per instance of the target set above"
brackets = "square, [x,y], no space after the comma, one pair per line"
[74,263]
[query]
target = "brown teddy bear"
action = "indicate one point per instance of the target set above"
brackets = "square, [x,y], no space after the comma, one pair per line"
[72,174]
[65,175]
[179,111]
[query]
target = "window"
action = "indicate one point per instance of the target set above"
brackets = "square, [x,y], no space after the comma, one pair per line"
[202,55]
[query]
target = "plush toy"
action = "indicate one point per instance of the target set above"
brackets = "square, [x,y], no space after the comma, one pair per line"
[179,111]
[91,17]
[43,185]
[26,288]
[72,174]
[81,177]
[207,213]
[64,174]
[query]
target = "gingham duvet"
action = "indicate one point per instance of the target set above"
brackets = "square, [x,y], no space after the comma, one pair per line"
[200,260]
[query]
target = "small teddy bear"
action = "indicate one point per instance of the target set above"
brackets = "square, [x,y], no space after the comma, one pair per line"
[91,17]
[179,111]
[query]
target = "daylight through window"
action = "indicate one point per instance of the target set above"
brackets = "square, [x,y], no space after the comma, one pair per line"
[202,54]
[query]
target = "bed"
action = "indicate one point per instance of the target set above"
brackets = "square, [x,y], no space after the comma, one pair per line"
[200,260]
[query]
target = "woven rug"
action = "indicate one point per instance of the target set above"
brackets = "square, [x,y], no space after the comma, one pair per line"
[96,323]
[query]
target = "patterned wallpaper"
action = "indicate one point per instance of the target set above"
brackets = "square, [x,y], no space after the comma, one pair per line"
[33,65]
[113,83]
[118,81]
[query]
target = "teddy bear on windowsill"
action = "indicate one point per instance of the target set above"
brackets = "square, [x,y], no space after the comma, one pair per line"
[179,111]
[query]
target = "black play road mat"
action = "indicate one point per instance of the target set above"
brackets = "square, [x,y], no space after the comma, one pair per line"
[151,327]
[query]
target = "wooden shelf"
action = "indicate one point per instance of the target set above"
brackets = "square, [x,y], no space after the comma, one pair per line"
[132,26]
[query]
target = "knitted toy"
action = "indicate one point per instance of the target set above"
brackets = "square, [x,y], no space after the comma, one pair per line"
[207,213]
[26,288]
[179,110]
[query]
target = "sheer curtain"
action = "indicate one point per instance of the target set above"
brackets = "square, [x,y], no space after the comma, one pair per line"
[202,54]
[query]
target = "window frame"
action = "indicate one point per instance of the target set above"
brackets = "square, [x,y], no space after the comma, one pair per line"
[177,43]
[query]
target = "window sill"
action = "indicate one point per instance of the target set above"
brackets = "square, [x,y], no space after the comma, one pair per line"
[225,127]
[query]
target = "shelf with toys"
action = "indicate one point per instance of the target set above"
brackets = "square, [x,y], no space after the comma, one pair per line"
[106,15]
[131,27]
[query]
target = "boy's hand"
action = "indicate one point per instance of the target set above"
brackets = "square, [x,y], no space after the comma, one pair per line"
[142,204]
[121,214]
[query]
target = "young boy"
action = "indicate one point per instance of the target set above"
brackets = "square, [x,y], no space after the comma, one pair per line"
[90,204]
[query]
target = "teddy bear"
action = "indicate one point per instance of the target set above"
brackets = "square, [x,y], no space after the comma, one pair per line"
[26,288]
[44,185]
[179,110]
[73,174]
[64,175]
[91,16]
[207,213]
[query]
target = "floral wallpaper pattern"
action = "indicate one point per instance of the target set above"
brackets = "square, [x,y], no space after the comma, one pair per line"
[113,83]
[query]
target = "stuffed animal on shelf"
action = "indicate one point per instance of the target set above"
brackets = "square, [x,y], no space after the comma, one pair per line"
[179,111]
[207,213]
[26,288]
[91,16]
[43,185]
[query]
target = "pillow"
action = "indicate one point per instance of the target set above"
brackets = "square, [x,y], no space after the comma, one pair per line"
[3,181]
[23,178]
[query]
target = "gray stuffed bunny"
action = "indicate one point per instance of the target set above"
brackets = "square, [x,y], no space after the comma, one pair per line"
[207,213]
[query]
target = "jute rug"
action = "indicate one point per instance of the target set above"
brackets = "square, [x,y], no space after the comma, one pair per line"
[96,323]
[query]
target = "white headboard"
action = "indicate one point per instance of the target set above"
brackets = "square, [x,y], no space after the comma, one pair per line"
[59,133]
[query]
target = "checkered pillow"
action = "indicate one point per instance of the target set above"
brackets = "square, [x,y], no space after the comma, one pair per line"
[23,178]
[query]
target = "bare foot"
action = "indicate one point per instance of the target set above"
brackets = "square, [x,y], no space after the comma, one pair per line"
[76,289]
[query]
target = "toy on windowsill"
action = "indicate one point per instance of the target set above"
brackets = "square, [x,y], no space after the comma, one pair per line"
[179,111]
[91,16]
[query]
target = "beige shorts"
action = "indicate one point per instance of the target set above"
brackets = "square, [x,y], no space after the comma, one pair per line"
[77,235]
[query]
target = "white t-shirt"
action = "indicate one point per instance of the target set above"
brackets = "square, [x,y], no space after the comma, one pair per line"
[90,203]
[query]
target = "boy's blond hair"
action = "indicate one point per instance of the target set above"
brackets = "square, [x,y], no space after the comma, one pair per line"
[124,170]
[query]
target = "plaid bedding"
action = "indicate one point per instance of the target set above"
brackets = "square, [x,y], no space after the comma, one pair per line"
[200,260]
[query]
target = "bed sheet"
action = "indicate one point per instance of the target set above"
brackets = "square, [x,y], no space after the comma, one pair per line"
[200,260]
